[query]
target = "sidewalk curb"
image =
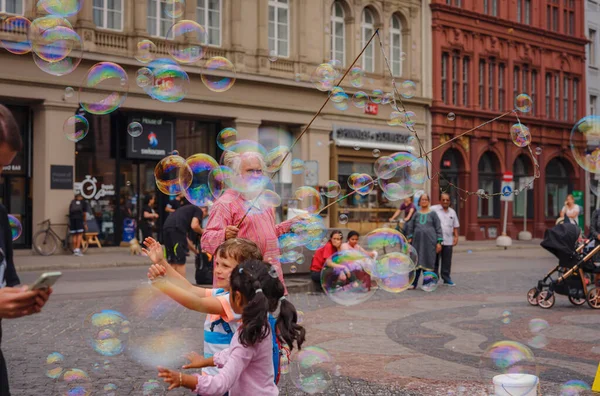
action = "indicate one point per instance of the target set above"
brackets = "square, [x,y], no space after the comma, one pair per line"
[461,249]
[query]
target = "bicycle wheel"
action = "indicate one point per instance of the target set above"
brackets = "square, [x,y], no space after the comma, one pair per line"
[44,243]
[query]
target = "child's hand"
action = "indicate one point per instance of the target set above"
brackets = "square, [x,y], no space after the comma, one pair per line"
[173,378]
[196,361]
[156,271]
[154,250]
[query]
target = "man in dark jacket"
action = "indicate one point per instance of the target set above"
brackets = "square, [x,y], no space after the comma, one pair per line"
[15,302]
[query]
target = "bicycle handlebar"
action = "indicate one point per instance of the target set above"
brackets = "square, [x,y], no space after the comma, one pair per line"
[47,221]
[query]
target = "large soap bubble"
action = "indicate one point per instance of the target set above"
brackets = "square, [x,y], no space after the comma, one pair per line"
[346,280]
[195,176]
[310,370]
[107,332]
[585,143]
[168,172]
[104,88]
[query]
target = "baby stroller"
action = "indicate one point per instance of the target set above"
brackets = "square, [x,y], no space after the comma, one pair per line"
[568,278]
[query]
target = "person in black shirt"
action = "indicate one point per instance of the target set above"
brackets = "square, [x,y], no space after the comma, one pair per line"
[15,302]
[173,205]
[77,216]
[149,217]
[175,230]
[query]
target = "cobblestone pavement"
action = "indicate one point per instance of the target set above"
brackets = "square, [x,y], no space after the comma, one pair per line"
[412,343]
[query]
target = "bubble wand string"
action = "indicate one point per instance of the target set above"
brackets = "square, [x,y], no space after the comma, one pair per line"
[310,124]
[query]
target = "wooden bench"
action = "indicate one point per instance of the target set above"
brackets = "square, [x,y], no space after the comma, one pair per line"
[92,238]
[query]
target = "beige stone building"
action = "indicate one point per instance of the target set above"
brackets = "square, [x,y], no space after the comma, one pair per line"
[274,45]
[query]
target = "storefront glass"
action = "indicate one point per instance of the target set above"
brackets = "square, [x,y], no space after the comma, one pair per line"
[489,182]
[558,186]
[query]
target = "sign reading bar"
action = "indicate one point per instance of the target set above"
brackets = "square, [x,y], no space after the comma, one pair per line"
[17,166]
[156,141]
[352,136]
[61,177]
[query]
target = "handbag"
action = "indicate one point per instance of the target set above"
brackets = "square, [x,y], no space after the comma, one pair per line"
[204,269]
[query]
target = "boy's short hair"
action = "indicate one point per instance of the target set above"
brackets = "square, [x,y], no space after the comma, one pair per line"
[239,249]
[9,130]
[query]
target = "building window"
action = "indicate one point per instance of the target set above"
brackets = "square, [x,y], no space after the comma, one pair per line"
[558,185]
[481,84]
[521,168]
[367,28]
[593,105]
[208,14]
[279,27]
[455,74]
[565,98]
[11,6]
[338,33]
[525,86]
[396,45]
[159,22]
[491,86]
[490,7]
[445,77]
[489,180]
[552,15]
[108,14]
[501,88]
[533,91]
[457,3]
[548,93]
[524,11]
[516,72]
[465,81]
[575,97]
[569,18]
[556,96]
[592,47]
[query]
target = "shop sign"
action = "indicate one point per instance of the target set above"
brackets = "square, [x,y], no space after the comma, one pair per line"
[89,188]
[156,141]
[372,108]
[61,177]
[352,136]
[16,167]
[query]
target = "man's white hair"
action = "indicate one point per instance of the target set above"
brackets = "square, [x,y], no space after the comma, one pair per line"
[234,160]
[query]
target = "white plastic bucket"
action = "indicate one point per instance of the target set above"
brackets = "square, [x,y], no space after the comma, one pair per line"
[515,385]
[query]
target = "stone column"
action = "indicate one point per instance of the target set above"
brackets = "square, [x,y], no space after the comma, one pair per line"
[140,14]
[85,17]
[247,129]
[51,148]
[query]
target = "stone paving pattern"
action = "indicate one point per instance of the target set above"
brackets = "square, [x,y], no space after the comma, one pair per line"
[412,343]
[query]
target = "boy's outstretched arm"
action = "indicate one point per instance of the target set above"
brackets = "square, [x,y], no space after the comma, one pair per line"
[209,305]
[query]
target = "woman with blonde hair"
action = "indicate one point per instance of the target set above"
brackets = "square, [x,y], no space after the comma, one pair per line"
[570,212]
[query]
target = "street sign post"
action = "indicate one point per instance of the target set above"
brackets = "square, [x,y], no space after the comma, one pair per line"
[525,184]
[507,188]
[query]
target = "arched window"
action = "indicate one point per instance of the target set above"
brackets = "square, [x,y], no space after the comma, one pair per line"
[368,28]
[108,14]
[279,27]
[523,174]
[208,14]
[450,167]
[396,54]
[11,6]
[558,185]
[338,33]
[489,182]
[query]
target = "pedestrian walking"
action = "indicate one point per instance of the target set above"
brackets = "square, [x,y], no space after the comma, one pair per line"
[175,233]
[424,232]
[450,225]
[323,254]
[78,211]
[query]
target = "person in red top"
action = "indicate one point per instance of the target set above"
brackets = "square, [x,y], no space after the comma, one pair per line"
[321,255]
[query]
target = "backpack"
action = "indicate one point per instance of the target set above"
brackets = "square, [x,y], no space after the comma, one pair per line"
[76,207]
[280,353]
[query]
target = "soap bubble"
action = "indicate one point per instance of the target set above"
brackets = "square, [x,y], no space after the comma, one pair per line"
[506,317]
[17,41]
[377,96]
[54,365]
[226,138]
[385,167]
[144,77]
[337,66]
[523,103]
[520,134]
[348,282]
[537,325]
[57,48]
[323,77]
[184,41]
[451,116]
[273,56]
[297,166]
[308,198]
[360,99]
[332,189]
[167,174]
[164,348]
[16,229]
[538,151]
[195,176]
[338,94]
[574,388]
[343,219]
[110,390]
[276,157]
[408,89]
[171,82]
[539,341]
[219,75]
[69,92]
[145,51]
[357,76]
[293,269]
[342,105]
[63,8]
[585,143]
[310,369]
[376,153]
[104,88]
[174,8]
[220,180]
[76,128]
[107,332]
[513,360]
[74,382]
[362,183]
[135,129]
[387,98]
[153,388]
[430,281]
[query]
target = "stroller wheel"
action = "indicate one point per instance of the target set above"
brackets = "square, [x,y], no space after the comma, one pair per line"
[546,299]
[593,298]
[532,296]
[577,301]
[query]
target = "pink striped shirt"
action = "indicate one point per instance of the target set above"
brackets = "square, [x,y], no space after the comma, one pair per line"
[260,228]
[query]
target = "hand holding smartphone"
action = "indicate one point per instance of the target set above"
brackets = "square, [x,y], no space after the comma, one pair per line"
[46,280]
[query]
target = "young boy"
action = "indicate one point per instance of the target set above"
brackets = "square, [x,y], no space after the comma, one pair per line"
[221,322]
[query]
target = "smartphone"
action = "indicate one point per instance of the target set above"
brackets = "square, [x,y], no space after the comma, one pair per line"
[46,280]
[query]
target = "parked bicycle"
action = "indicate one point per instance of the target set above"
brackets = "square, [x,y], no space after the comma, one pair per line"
[47,240]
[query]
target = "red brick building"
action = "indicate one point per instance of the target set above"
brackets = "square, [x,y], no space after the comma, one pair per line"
[485,53]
